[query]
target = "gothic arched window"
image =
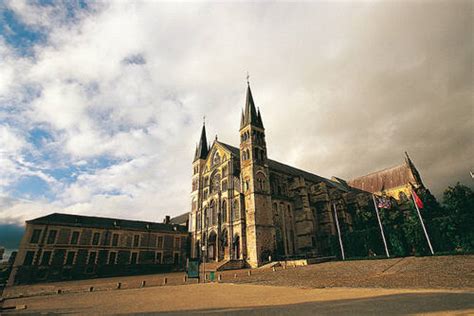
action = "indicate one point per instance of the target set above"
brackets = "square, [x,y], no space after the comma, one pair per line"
[215,182]
[224,211]
[216,160]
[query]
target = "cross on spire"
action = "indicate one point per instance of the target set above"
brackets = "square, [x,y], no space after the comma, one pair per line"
[248,77]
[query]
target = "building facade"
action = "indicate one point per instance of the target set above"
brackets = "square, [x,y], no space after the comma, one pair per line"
[250,208]
[63,246]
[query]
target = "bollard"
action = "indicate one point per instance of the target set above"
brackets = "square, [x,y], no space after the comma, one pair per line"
[165,281]
[250,272]
[219,277]
[235,275]
[185,278]
[143,284]
[59,291]
[119,285]
[91,289]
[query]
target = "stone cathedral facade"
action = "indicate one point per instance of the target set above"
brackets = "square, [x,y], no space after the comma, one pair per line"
[251,209]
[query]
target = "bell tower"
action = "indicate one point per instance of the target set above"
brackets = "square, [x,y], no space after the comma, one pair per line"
[260,231]
[196,220]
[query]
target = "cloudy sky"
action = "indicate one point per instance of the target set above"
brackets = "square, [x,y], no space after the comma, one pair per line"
[101,104]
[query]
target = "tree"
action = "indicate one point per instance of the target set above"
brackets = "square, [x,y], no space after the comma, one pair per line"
[458,202]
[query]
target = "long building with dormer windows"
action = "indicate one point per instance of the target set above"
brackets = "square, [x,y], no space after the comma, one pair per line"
[66,247]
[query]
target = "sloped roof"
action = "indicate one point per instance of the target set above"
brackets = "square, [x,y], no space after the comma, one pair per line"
[385,179]
[180,219]
[103,222]
[280,167]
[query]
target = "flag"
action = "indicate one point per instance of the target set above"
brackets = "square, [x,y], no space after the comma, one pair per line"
[383,202]
[417,199]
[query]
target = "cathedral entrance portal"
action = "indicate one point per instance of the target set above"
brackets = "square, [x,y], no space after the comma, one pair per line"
[211,246]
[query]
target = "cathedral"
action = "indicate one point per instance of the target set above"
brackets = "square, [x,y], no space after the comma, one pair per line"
[249,209]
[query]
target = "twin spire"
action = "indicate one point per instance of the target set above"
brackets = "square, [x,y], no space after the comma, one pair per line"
[202,149]
[250,116]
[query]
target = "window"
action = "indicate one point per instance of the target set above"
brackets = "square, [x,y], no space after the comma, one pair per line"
[70,258]
[224,211]
[136,240]
[224,185]
[198,221]
[112,257]
[74,238]
[35,236]
[159,242]
[45,259]
[115,238]
[29,257]
[92,257]
[216,160]
[176,258]
[177,243]
[236,209]
[52,236]
[95,239]
[215,182]
[133,259]
[159,257]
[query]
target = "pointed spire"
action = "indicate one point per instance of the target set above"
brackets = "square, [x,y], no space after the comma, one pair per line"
[202,149]
[413,169]
[259,116]
[250,114]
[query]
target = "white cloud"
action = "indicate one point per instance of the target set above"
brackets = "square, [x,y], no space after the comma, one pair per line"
[344,89]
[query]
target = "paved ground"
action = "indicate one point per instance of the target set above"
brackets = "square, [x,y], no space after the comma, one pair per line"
[455,272]
[444,272]
[246,299]
[394,286]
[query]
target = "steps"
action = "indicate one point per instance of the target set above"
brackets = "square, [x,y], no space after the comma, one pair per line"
[224,265]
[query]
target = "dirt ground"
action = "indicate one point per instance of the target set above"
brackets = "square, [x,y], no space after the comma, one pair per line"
[247,299]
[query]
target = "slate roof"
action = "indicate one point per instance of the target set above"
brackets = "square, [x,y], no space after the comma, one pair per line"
[289,170]
[385,179]
[180,219]
[104,223]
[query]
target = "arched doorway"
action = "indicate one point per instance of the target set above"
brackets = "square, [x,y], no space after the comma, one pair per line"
[211,246]
[236,247]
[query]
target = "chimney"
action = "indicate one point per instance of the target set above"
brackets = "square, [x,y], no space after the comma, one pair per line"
[167,219]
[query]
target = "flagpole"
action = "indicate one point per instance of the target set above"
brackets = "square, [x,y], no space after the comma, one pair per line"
[422,224]
[380,225]
[339,232]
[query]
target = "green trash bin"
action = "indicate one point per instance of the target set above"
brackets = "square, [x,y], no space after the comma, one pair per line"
[212,276]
